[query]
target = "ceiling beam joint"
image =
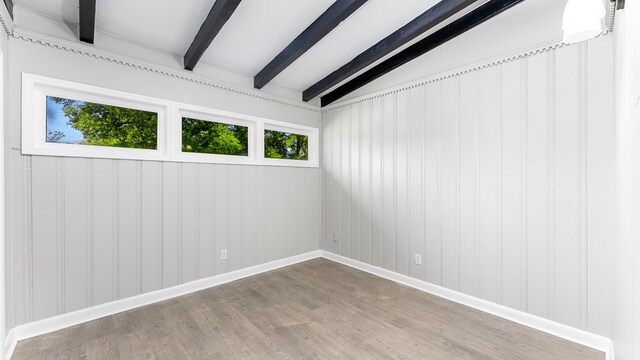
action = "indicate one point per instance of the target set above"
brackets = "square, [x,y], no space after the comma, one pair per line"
[87,21]
[9,5]
[323,25]
[220,13]
[458,27]
[424,22]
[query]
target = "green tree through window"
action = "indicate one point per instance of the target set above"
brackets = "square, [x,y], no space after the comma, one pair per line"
[209,137]
[103,125]
[284,145]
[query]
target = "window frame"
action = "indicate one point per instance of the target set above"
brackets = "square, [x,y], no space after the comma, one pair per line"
[36,88]
[310,132]
[205,114]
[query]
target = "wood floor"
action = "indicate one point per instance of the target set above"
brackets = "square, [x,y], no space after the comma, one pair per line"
[314,310]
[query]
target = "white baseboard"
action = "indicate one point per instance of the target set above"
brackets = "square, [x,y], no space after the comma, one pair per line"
[10,343]
[45,326]
[578,336]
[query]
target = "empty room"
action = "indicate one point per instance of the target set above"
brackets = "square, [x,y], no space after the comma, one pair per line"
[320,179]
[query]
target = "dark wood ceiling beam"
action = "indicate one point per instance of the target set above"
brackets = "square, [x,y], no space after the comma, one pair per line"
[9,5]
[425,21]
[87,20]
[323,25]
[456,28]
[218,16]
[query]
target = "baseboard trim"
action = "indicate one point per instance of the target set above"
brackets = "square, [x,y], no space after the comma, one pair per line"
[45,326]
[578,336]
[10,343]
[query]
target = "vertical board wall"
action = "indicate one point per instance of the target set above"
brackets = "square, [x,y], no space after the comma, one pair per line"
[104,230]
[3,180]
[502,179]
[83,232]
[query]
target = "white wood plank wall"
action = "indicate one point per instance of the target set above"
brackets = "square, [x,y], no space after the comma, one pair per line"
[83,232]
[502,179]
[93,231]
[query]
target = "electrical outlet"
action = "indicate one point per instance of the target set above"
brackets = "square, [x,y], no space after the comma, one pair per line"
[418,259]
[223,254]
[336,238]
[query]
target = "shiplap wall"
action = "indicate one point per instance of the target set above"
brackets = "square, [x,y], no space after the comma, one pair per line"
[503,179]
[83,232]
[101,230]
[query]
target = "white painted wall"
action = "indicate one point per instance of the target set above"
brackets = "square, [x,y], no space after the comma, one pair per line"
[83,232]
[3,206]
[502,179]
[627,295]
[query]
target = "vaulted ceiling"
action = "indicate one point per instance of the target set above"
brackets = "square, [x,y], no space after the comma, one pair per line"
[258,30]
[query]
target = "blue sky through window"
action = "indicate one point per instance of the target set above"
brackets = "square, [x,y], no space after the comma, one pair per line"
[57,121]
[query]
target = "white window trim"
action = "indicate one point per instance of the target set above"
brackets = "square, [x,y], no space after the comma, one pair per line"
[311,133]
[206,114]
[36,88]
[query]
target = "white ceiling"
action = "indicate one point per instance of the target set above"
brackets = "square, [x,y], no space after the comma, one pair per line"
[260,29]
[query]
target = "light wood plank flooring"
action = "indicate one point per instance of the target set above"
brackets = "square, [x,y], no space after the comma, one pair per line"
[314,310]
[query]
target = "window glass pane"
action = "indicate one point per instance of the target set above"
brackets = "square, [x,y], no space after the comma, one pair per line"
[284,145]
[210,137]
[79,122]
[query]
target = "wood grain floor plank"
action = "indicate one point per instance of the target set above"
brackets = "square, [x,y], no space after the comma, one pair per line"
[313,310]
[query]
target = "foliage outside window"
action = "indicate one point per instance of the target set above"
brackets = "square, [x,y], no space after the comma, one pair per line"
[285,145]
[208,137]
[78,122]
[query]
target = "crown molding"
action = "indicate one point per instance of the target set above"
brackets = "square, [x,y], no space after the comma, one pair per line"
[6,20]
[93,52]
[480,65]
